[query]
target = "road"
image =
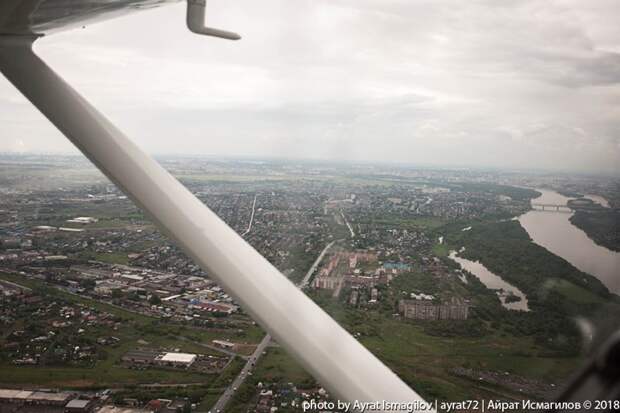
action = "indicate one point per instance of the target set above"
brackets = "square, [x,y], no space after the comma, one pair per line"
[18,286]
[218,407]
[348,225]
[251,217]
[306,279]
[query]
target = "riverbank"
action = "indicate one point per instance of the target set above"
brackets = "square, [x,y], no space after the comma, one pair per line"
[601,224]
[510,296]
[556,291]
[506,249]
[555,232]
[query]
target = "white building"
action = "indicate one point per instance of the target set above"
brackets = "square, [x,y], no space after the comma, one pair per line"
[83,220]
[176,359]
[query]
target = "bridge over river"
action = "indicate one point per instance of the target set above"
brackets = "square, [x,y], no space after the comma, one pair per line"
[551,207]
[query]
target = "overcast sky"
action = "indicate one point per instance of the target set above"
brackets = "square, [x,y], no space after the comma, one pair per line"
[519,84]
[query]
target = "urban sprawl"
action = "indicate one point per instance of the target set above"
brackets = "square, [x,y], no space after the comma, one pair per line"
[100,312]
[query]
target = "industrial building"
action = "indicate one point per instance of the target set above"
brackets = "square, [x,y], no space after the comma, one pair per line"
[176,359]
[159,358]
[12,400]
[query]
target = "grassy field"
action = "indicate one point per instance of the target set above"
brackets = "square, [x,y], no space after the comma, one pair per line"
[111,258]
[426,362]
[103,375]
[441,250]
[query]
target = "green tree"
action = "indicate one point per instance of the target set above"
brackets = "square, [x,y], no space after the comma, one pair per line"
[154,300]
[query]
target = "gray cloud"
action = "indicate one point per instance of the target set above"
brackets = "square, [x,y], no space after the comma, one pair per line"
[480,83]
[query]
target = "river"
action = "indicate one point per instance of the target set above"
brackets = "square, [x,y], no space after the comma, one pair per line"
[493,282]
[554,231]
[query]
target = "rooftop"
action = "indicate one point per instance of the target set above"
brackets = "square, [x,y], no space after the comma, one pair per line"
[77,404]
[115,409]
[179,357]
[34,395]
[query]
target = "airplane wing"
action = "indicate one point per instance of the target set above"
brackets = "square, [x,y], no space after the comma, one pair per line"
[335,358]
[48,16]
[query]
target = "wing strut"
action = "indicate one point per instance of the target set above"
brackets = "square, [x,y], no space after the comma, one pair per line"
[336,359]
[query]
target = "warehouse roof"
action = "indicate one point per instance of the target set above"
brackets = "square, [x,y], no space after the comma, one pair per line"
[179,357]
